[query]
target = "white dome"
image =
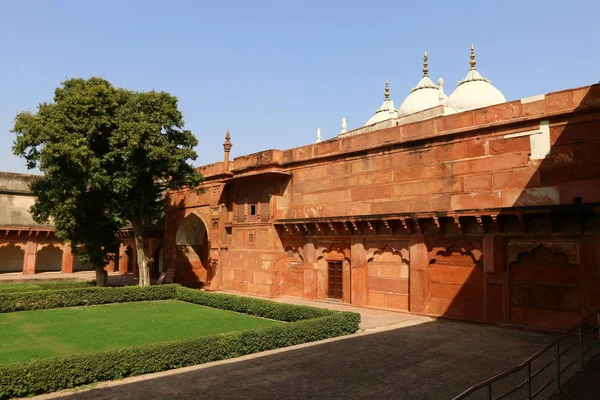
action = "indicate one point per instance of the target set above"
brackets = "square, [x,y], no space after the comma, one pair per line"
[386,111]
[474,91]
[425,95]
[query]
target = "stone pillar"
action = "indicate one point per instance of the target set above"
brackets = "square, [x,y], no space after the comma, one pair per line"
[419,275]
[30,258]
[359,274]
[494,279]
[310,270]
[122,260]
[67,259]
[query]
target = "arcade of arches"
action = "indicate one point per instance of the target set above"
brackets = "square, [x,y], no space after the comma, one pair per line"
[22,251]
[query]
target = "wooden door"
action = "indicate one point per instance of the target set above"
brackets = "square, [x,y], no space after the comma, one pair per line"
[334,288]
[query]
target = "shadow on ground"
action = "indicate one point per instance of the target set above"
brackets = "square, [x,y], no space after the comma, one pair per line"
[435,360]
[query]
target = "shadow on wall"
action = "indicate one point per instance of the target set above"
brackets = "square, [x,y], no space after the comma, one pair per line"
[545,253]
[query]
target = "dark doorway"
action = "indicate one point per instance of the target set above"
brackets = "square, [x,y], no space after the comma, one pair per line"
[334,288]
[129,255]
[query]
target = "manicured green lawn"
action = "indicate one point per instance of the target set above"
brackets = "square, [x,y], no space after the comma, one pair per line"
[32,335]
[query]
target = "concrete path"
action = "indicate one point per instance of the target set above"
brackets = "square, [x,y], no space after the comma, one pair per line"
[370,319]
[436,359]
[114,278]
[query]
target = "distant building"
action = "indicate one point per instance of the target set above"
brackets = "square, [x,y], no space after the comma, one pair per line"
[27,247]
[464,206]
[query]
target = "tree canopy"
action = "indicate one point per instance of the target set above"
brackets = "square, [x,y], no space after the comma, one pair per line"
[107,155]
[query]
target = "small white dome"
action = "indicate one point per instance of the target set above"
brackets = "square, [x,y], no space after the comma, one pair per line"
[474,91]
[386,111]
[425,95]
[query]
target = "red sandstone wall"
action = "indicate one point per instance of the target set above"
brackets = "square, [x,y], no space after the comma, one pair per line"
[486,272]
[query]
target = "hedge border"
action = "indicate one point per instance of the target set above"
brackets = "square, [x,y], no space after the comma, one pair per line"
[306,324]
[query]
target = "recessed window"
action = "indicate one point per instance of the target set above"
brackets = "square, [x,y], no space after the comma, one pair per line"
[253,209]
[251,238]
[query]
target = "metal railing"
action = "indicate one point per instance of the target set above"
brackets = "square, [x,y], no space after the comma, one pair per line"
[556,353]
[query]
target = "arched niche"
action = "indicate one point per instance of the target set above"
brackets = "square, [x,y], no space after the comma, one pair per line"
[49,259]
[191,232]
[456,283]
[545,289]
[192,243]
[11,258]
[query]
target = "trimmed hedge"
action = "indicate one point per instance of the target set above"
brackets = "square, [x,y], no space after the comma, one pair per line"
[251,306]
[40,300]
[307,324]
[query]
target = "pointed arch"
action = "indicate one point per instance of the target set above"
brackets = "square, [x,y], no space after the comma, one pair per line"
[191,232]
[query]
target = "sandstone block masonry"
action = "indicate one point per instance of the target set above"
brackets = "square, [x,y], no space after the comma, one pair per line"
[488,215]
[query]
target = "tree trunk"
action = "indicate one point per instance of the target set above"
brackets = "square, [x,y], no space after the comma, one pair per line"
[101,276]
[142,259]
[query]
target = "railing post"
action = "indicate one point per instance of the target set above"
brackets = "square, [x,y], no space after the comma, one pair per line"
[559,389]
[599,326]
[581,346]
[490,391]
[529,381]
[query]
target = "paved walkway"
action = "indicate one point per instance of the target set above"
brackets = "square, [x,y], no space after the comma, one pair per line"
[114,278]
[584,385]
[370,319]
[421,359]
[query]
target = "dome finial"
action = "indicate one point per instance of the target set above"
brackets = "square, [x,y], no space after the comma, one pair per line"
[318,135]
[387,89]
[472,57]
[425,64]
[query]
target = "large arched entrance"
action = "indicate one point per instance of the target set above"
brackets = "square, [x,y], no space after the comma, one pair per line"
[192,249]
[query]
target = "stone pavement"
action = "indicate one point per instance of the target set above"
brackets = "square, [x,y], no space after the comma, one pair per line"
[114,278]
[584,385]
[402,359]
[370,318]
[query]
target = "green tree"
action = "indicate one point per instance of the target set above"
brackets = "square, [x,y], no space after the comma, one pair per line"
[107,155]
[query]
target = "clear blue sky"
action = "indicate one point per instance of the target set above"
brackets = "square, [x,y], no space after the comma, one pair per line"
[275,71]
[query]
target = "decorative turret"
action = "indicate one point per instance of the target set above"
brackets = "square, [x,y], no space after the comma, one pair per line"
[344,129]
[318,135]
[226,147]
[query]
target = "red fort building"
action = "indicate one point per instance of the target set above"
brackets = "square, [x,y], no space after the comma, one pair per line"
[462,205]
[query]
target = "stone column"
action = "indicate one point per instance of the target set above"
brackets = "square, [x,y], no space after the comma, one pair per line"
[419,275]
[310,270]
[494,279]
[359,274]
[67,259]
[30,258]
[122,260]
